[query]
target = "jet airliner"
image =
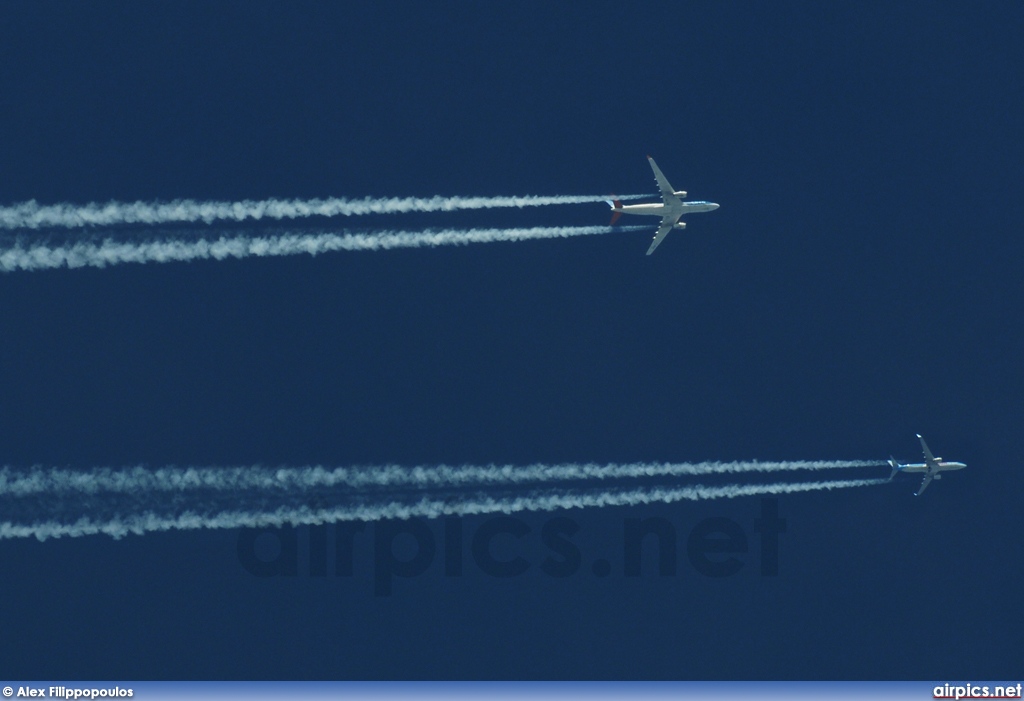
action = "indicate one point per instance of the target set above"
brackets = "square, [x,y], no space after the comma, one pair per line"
[931,467]
[672,207]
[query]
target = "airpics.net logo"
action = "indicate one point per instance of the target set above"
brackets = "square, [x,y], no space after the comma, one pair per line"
[506,547]
[977,691]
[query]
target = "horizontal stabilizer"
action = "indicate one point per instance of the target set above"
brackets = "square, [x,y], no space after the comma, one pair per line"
[616,206]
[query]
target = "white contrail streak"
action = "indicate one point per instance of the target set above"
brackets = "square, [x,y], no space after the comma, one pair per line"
[120,526]
[140,479]
[114,252]
[31,215]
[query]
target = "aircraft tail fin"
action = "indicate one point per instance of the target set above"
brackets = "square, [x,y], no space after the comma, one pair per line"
[616,206]
[895,467]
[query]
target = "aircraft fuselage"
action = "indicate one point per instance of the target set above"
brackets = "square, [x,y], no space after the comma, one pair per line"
[659,209]
[942,466]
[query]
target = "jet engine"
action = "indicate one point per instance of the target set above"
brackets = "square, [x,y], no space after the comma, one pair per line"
[680,225]
[680,193]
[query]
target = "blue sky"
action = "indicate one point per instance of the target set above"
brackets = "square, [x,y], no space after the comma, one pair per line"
[859,284]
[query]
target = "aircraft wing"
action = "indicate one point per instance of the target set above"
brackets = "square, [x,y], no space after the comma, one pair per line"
[927,453]
[663,185]
[924,485]
[666,226]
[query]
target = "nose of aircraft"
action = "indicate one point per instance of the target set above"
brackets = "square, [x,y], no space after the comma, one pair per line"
[714,206]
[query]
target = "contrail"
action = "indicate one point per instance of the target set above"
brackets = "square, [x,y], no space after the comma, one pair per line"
[55,481]
[113,252]
[118,526]
[32,215]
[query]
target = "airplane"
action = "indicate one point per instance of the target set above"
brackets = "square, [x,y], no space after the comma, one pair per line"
[672,207]
[932,467]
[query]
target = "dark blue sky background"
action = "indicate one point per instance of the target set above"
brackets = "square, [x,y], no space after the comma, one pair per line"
[860,283]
